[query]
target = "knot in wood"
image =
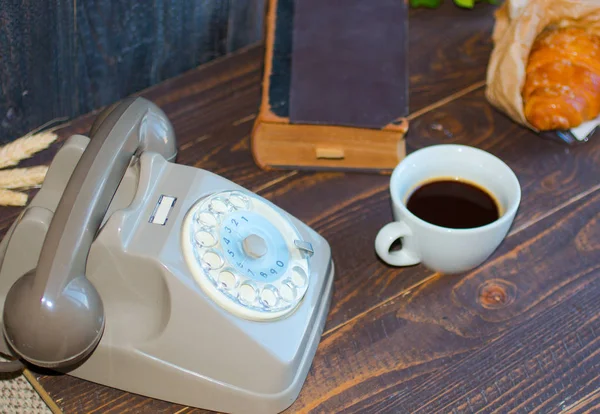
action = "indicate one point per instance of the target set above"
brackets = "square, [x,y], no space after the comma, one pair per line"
[496,294]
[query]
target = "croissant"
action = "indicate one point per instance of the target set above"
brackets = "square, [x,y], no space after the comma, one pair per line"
[562,79]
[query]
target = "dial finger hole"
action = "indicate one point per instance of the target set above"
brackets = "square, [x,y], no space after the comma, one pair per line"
[247,293]
[239,201]
[212,260]
[208,219]
[227,280]
[269,296]
[205,239]
[288,292]
[218,205]
[299,277]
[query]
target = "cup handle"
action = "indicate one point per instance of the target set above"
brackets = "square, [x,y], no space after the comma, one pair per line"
[386,236]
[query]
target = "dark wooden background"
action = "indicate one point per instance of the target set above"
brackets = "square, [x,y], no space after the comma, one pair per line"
[64,58]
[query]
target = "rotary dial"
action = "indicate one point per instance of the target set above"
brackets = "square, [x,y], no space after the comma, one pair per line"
[245,255]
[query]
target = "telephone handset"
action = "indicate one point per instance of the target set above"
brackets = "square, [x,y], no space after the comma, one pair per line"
[162,279]
[53,316]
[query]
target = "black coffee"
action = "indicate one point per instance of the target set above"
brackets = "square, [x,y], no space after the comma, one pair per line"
[453,204]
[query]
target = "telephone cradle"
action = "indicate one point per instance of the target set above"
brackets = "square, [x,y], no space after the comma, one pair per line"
[129,270]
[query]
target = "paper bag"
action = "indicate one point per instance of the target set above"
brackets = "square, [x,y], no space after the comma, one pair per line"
[518,23]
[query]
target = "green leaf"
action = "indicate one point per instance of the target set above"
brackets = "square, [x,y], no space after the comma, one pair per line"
[425,3]
[468,4]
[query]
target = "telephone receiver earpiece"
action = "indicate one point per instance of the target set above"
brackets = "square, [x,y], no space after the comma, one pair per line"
[53,316]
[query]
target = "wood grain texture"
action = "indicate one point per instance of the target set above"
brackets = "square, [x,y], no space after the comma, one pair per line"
[449,48]
[445,347]
[69,58]
[551,175]
[518,333]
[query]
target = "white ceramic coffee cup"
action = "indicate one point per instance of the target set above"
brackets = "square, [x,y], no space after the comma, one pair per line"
[443,249]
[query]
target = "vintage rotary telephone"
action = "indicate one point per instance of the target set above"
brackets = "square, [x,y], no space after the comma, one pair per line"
[160,279]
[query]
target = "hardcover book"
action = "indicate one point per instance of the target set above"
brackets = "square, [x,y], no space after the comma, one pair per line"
[335,86]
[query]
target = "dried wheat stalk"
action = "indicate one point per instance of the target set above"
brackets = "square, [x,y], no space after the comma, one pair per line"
[23,177]
[12,198]
[24,147]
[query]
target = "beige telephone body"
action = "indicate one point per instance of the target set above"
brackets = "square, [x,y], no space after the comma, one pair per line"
[160,279]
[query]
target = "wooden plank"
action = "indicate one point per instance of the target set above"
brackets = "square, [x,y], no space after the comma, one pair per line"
[449,48]
[446,346]
[349,209]
[77,396]
[209,100]
[357,266]
[518,334]
[188,98]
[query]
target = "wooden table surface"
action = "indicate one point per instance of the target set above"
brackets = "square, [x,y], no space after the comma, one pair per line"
[518,334]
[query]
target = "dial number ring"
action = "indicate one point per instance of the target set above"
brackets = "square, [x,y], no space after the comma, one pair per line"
[256,274]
